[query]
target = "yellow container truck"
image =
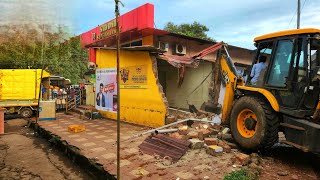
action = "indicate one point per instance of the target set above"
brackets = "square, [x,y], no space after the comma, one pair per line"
[19,90]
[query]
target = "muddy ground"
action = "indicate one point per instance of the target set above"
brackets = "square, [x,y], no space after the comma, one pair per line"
[25,156]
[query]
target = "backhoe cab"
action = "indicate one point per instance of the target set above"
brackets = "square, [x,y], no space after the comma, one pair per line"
[284,98]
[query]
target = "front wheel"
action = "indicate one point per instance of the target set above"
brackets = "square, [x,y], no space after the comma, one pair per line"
[26,112]
[254,124]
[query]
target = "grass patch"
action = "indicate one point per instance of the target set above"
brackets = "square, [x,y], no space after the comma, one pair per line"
[238,175]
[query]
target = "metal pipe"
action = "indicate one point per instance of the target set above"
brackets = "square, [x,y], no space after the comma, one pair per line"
[165,126]
[165,131]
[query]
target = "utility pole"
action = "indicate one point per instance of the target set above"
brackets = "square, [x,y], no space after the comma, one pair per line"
[118,85]
[42,62]
[298,15]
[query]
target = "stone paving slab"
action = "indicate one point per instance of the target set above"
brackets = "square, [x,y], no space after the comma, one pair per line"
[98,142]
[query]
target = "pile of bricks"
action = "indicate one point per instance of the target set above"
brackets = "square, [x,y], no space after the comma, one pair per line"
[206,135]
[178,115]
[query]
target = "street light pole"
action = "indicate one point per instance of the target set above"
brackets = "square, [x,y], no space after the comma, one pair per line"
[298,15]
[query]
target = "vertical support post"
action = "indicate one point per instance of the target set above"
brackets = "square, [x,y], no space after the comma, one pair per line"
[75,100]
[298,15]
[118,86]
[40,91]
[67,103]
[2,120]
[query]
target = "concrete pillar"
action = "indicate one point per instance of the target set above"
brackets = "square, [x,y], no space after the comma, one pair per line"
[2,120]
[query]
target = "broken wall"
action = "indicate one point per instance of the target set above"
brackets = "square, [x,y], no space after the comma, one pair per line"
[178,96]
[143,106]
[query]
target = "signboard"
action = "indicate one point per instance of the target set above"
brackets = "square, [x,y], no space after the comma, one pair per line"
[137,19]
[106,89]
[134,77]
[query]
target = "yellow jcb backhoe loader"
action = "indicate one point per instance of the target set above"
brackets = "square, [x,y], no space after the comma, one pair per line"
[284,98]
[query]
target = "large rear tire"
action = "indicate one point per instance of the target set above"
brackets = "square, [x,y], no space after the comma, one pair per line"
[254,124]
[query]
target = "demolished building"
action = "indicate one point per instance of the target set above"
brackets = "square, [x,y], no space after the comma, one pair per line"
[160,71]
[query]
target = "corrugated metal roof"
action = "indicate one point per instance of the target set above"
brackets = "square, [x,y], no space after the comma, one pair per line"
[165,146]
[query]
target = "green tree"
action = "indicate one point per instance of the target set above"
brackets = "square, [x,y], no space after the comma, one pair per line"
[195,29]
[21,48]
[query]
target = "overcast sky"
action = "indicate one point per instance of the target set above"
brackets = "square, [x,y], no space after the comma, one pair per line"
[233,21]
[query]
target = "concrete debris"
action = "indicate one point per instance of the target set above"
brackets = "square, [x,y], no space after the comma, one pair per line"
[211,141]
[225,130]
[200,135]
[196,144]
[227,148]
[193,134]
[241,159]
[183,130]
[214,150]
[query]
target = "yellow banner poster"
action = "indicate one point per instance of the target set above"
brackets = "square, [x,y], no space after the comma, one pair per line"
[134,77]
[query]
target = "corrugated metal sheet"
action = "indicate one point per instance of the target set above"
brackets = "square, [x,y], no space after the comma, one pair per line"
[165,146]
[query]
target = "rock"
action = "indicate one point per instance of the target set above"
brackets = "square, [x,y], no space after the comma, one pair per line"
[225,130]
[206,177]
[255,158]
[283,173]
[193,134]
[196,144]
[183,130]
[241,159]
[294,177]
[226,148]
[211,141]
[214,150]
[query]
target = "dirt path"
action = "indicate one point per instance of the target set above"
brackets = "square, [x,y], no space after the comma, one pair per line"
[24,156]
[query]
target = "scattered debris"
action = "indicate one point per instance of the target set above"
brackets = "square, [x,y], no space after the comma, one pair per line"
[165,146]
[76,128]
[196,144]
[225,130]
[294,177]
[241,159]
[211,141]
[214,150]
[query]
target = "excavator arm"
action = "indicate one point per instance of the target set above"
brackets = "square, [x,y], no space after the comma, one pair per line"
[231,79]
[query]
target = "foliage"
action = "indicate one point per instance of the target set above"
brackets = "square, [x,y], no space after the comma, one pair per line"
[21,48]
[195,29]
[238,175]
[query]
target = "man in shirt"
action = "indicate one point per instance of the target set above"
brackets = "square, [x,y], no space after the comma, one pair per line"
[256,70]
[100,97]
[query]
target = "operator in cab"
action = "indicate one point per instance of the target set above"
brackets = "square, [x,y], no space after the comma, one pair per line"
[256,70]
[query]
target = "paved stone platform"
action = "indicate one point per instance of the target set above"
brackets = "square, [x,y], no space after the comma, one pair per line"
[99,142]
